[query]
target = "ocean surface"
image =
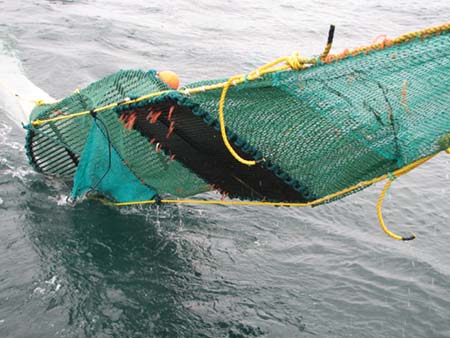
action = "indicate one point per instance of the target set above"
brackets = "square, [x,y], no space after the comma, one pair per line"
[209,271]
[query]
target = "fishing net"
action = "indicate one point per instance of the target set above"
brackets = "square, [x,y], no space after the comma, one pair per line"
[312,132]
[100,154]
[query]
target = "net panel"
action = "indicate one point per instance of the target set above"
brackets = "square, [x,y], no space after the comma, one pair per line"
[334,125]
[55,148]
[314,132]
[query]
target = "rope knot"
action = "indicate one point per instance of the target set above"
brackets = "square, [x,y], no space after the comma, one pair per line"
[295,61]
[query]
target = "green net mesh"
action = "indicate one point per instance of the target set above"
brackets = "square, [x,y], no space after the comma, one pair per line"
[320,130]
[55,148]
[101,170]
[334,125]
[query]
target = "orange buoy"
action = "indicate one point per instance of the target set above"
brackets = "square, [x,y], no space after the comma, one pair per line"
[170,78]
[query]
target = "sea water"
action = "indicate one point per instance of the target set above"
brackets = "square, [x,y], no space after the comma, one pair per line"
[208,271]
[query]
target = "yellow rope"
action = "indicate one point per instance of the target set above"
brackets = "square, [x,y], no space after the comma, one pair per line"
[291,62]
[398,40]
[396,173]
[326,51]
[294,62]
[285,63]
[380,216]
[222,126]
[96,110]
[212,202]
[20,97]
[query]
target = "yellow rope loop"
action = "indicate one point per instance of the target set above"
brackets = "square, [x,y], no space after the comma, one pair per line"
[222,123]
[380,215]
[390,177]
[294,62]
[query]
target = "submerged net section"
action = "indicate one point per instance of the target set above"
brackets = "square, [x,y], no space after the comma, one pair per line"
[313,132]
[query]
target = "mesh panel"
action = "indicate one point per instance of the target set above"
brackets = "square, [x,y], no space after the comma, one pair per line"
[102,172]
[334,125]
[55,148]
[320,130]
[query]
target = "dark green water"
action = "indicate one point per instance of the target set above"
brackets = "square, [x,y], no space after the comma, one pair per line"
[193,271]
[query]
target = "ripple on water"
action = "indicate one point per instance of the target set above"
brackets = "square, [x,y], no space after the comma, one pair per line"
[184,271]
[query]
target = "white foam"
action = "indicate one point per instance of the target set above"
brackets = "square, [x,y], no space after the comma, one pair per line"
[19,172]
[51,281]
[13,82]
[60,200]
[39,290]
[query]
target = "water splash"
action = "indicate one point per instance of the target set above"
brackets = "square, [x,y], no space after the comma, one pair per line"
[16,91]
